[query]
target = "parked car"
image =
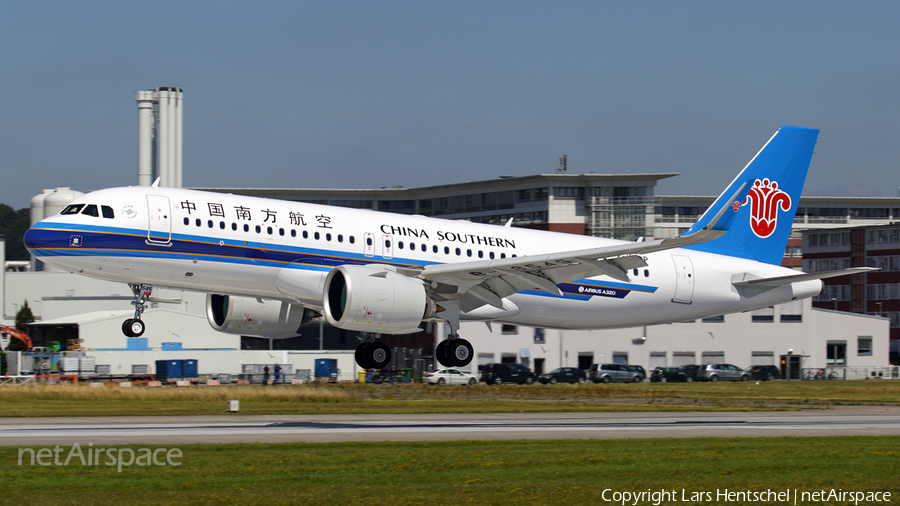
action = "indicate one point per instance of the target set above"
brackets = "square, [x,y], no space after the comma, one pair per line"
[449,377]
[764,372]
[690,370]
[638,369]
[497,374]
[563,375]
[722,372]
[609,373]
[667,374]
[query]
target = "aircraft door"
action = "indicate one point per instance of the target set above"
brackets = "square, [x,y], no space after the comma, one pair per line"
[159,228]
[387,244]
[369,250]
[684,279]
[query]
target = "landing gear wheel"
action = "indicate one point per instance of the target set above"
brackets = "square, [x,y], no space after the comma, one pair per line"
[133,327]
[379,355]
[440,354]
[459,352]
[360,356]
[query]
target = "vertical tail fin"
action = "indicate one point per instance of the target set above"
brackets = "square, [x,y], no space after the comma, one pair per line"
[767,195]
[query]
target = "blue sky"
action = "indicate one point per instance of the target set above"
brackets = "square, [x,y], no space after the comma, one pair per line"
[361,94]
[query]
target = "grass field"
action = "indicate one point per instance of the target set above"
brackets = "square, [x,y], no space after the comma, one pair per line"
[467,472]
[369,399]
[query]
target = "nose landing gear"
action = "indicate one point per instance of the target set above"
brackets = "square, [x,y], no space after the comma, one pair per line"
[134,327]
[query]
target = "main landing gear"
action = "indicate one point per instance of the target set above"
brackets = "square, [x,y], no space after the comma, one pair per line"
[453,351]
[134,327]
[372,354]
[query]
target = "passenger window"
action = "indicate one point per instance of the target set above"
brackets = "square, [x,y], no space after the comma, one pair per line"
[424,248]
[280,231]
[412,246]
[400,244]
[209,224]
[293,233]
[491,254]
[340,238]
[646,273]
[446,250]
[480,254]
[327,237]
[502,255]
[107,212]
[91,210]
[269,230]
[197,222]
[246,228]
[222,225]
[305,234]
[352,239]
[234,226]
[316,236]
[72,209]
[258,229]
[468,252]
[458,252]
[187,221]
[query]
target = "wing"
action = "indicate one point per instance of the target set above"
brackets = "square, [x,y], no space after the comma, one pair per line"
[487,282]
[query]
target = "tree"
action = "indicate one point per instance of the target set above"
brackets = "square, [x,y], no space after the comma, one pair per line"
[13,225]
[24,316]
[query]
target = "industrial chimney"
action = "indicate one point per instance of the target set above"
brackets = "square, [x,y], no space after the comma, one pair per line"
[159,136]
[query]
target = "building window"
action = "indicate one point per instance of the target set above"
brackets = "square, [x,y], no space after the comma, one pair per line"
[539,336]
[763,315]
[715,319]
[836,354]
[864,346]
[508,330]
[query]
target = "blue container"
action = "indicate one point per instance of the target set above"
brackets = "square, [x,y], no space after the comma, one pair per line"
[168,369]
[326,367]
[136,344]
[189,368]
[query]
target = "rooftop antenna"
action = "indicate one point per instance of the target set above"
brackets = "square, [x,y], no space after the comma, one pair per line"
[561,168]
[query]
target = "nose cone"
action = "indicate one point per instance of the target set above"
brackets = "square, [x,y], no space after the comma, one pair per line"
[32,240]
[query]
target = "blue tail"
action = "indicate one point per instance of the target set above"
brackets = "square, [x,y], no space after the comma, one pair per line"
[764,198]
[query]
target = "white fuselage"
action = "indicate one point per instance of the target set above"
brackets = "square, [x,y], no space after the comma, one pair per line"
[265,248]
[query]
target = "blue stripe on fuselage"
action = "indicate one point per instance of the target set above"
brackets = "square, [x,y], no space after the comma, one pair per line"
[55,239]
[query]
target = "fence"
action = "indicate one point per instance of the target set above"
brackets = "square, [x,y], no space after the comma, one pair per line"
[849,373]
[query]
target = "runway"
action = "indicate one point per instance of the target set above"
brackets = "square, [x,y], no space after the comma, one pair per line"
[167,430]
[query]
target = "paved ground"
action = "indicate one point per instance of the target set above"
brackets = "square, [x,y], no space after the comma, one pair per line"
[329,428]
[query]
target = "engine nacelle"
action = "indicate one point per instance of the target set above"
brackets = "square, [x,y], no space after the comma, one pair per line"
[247,316]
[372,299]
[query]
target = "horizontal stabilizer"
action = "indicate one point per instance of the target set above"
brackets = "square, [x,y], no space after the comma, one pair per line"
[786,280]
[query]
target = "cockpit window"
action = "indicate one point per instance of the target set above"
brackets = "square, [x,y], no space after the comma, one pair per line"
[107,212]
[91,210]
[72,209]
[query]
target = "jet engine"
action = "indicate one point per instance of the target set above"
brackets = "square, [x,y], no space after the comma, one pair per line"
[373,299]
[248,316]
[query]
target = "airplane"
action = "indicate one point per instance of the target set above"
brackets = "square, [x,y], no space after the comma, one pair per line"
[269,266]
